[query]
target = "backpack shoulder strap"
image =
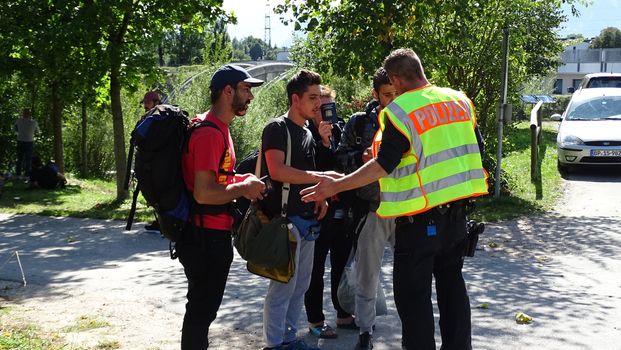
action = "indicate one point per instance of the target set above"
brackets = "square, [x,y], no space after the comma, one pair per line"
[359,126]
[210,124]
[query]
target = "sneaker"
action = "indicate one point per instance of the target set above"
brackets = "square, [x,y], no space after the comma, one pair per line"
[365,342]
[298,344]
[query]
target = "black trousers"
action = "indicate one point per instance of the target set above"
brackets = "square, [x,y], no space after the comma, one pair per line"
[24,157]
[336,237]
[206,256]
[421,254]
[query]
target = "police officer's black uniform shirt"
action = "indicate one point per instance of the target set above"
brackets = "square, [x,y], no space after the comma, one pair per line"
[392,148]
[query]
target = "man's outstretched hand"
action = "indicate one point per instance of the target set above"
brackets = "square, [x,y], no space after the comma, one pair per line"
[325,187]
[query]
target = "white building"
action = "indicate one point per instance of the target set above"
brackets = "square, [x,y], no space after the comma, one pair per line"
[579,60]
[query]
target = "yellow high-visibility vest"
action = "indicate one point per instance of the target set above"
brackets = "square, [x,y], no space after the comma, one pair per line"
[443,163]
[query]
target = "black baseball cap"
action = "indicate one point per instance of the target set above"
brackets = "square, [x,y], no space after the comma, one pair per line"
[231,74]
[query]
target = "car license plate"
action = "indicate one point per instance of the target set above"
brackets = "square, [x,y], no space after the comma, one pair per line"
[605,153]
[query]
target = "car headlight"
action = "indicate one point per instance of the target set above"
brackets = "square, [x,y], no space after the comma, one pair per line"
[570,140]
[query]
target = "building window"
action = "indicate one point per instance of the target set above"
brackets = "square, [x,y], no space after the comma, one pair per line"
[576,83]
[558,86]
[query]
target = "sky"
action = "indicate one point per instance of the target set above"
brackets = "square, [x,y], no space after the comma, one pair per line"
[251,20]
[593,18]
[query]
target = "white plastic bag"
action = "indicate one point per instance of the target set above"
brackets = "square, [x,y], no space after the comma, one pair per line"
[348,286]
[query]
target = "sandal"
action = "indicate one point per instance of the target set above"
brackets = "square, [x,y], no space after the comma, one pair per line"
[323,331]
[350,325]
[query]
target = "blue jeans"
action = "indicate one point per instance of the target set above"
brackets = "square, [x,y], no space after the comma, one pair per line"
[24,157]
[283,303]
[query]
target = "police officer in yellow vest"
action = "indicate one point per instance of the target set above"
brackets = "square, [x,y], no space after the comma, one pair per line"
[428,164]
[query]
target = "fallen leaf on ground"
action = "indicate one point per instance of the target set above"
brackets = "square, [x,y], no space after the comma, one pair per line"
[483,306]
[522,318]
[542,259]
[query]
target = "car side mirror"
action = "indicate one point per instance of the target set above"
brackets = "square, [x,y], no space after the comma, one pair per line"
[556,117]
[570,90]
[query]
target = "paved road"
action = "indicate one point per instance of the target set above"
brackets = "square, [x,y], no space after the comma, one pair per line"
[561,268]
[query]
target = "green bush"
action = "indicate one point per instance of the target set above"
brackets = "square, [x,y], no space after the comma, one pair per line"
[559,107]
[270,101]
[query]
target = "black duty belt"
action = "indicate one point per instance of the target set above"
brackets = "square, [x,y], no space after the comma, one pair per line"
[442,209]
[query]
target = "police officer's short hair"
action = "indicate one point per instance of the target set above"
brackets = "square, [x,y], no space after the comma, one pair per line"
[300,82]
[404,63]
[380,78]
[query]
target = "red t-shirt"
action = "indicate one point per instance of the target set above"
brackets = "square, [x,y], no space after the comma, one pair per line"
[204,153]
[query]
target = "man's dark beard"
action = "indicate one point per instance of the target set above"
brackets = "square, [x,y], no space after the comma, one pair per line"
[239,106]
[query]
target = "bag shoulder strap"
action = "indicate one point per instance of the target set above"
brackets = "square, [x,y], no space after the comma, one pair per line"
[285,186]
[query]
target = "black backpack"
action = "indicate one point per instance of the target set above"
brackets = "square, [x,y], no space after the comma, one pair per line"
[160,139]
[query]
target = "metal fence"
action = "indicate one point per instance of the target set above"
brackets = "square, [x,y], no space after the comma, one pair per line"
[591,55]
[535,139]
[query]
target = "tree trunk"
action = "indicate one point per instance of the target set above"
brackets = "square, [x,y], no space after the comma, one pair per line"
[118,128]
[120,157]
[83,150]
[160,54]
[57,125]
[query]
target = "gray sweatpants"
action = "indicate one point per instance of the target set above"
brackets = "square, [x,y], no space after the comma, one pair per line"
[369,254]
[283,303]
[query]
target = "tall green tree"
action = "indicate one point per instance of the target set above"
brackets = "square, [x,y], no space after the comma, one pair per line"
[218,46]
[256,52]
[608,38]
[184,46]
[54,45]
[260,49]
[132,31]
[458,47]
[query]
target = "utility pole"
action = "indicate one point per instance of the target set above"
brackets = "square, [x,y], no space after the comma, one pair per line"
[503,106]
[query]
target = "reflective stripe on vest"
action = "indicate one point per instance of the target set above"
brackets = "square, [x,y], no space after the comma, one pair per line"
[432,173]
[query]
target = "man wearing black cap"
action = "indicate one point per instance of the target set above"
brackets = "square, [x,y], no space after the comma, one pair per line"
[206,251]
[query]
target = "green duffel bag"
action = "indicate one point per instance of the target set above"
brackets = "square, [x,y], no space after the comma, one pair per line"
[261,241]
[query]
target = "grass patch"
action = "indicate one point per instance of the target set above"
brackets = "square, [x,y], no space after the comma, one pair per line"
[4,310]
[28,338]
[86,323]
[95,198]
[80,198]
[108,345]
[525,197]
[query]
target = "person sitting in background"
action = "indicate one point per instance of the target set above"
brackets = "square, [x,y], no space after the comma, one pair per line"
[47,177]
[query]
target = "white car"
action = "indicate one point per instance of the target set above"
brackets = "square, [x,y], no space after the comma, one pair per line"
[590,130]
[598,81]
